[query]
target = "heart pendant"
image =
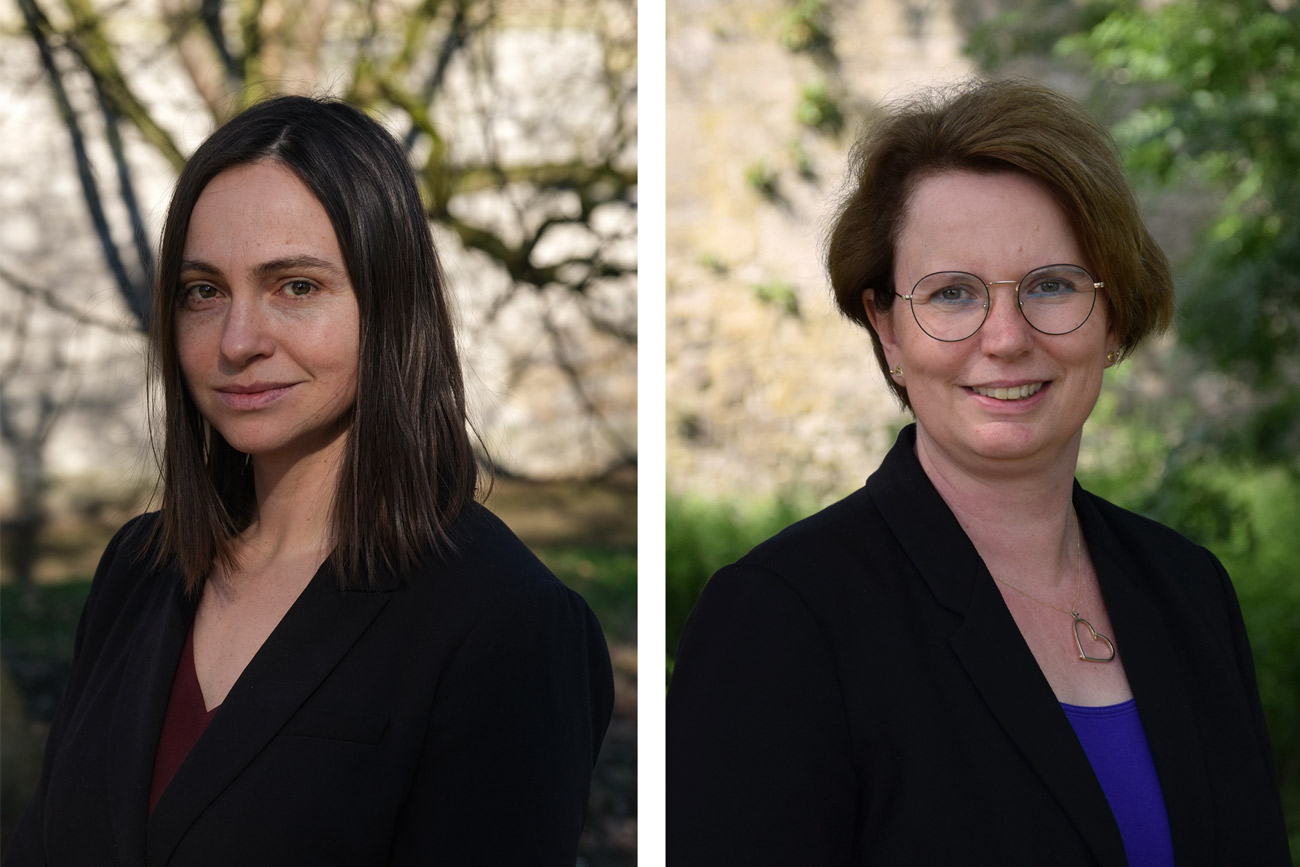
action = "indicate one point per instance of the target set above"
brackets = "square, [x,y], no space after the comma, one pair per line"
[1096,636]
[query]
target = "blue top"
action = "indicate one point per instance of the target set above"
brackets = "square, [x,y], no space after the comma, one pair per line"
[1116,745]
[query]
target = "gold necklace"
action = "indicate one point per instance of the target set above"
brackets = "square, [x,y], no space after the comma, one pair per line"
[1074,606]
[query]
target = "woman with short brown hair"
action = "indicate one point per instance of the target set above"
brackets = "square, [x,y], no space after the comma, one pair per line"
[972,660]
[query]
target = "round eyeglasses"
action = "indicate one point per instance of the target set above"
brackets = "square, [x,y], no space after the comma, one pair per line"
[1054,299]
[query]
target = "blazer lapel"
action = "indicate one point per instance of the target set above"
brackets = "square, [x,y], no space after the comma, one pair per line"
[139,710]
[1149,647]
[1004,671]
[299,654]
[989,646]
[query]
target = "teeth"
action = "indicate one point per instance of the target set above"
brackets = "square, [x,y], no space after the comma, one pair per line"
[1017,393]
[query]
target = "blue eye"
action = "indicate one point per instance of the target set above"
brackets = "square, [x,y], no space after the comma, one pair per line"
[949,291]
[952,293]
[1050,287]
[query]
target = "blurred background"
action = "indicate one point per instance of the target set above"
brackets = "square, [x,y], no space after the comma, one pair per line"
[775,404]
[520,120]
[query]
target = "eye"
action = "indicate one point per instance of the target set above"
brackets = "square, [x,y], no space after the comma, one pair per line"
[953,293]
[1051,287]
[948,291]
[299,288]
[195,294]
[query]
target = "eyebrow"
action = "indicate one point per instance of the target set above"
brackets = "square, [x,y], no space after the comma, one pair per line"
[274,266]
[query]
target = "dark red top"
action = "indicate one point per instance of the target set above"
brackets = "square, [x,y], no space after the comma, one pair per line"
[186,719]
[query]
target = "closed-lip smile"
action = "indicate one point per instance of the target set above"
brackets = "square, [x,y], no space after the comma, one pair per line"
[251,396]
[252,388]
[1013,392]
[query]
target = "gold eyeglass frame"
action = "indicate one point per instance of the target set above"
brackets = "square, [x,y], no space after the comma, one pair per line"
[988,300]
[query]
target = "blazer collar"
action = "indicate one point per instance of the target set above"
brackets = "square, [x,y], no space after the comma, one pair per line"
[319,628]
[989,646]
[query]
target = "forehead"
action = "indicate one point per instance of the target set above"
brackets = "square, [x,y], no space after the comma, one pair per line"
[996,225]
[258,210]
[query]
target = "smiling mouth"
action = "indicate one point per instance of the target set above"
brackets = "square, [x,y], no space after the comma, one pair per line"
[1018,392]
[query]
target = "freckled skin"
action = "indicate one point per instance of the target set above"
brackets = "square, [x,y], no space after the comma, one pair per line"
[268,328]
[999,227]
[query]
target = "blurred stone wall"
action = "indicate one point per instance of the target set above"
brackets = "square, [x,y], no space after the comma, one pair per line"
[770,391]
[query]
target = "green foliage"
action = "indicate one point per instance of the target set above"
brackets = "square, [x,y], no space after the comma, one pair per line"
[701,536]
[818,110]
[606,578]
[761,179]
[1221,108]
[715,263]
[805,27]
[780,295]
[1028,28]
[39,621]
[803,163]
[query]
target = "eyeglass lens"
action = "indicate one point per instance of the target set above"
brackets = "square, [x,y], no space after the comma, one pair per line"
[952,305]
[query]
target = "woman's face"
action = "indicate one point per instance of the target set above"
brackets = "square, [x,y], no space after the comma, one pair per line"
[267,324]
[998,227]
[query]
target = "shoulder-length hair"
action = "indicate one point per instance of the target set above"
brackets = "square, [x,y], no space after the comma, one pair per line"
[409,466]
[1012,125]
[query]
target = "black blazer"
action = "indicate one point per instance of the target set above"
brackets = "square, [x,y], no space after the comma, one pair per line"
[855,691]
[449,718]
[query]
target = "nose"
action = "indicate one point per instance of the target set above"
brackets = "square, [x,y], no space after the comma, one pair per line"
[246,333]
[1005,332]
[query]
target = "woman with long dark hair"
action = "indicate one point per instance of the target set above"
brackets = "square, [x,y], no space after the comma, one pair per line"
[320,649]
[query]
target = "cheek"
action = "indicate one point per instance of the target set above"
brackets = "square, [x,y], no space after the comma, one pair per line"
[192,349]
[341,351]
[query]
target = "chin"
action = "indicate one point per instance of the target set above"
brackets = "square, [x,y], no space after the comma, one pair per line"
[1006,440]
[1010,441]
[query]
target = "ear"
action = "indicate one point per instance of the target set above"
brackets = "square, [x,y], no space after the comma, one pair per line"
[883,322]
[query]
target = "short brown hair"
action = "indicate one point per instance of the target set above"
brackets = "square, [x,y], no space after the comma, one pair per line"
[409,468]
[1008,125]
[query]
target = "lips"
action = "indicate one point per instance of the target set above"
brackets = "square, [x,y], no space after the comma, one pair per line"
[1015,392]
[248,396]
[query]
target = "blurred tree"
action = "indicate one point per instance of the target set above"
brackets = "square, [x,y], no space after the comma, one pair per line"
[1223,112]
[519,117]
[399,60]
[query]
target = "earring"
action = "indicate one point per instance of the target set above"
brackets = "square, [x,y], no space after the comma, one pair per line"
[1112,357]
[897,371]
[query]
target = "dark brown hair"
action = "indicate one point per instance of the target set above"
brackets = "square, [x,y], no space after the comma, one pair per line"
[409,467]
[1011,125]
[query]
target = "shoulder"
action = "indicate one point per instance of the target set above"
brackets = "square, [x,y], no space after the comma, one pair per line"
[1172,569]
[486,554]
[839,533]
[1131,525]
[128,559]
[135,538]
[1150,543]
[816,574]
[491,576]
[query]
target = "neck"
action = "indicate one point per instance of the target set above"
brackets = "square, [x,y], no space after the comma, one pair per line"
[295,506]
[1018,516]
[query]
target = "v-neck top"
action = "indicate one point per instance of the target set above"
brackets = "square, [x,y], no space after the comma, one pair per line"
[187,717]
